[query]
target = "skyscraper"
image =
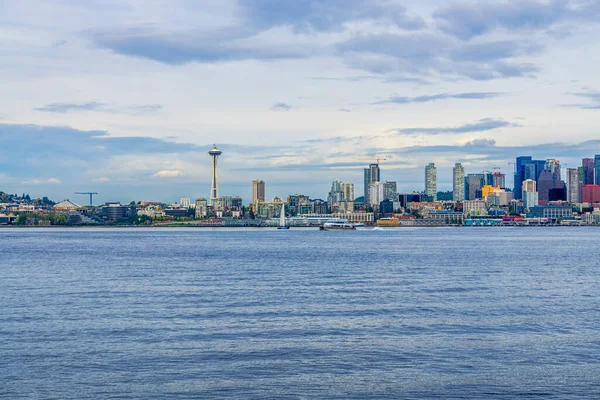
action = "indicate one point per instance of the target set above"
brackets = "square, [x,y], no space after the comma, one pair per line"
[335,194]
[499,180]
[588,165]
[348,191]
[573,186]
[258,191]
[526,168]
[530,195]
[473,184]
[554,167]
[431,181]
[372,174]
[597,169]
[458,182]
[214,189]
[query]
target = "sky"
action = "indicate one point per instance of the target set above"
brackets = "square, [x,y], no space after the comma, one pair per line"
[126,97]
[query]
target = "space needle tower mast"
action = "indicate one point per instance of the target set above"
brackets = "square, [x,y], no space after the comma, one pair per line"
[214,190]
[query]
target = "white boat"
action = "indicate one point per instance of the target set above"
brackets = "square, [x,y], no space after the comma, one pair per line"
[334,225]
[282,224]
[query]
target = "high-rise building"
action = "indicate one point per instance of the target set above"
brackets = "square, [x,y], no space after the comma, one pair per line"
[588,165]
[201,208]
[348,191]
[214,189]
[590,194]
[499,180]
[473,185]
[550,189]
[372,174]
[597,169]
[573,186]
[554,167]
[335,194]
[458,182]
[388,190]
[185,202]
[258,191]
[526,168]
[530,195]
[431,181]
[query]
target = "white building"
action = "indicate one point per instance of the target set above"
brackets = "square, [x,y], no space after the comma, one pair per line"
[458,182]
[431,181]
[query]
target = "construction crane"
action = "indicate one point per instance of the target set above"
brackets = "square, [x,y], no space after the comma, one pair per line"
[378,159]
[91,194]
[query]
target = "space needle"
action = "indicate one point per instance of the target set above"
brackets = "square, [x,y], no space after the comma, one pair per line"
[214,190]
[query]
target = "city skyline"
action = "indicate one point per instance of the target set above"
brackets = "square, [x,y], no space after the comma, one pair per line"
[124,98]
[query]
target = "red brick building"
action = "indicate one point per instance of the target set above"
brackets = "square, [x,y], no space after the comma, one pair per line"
[590,194]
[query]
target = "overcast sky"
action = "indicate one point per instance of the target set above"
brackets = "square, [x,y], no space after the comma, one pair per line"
[126,97]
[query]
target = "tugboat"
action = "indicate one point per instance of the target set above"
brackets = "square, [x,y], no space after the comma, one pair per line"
[336,225]
[282,224]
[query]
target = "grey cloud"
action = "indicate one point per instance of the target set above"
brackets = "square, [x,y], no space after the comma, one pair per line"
[281,107]
[440,96]
[486,124]
[324,15]
[592,96]
[100,107]
[481,143]
[68,107]
[466,20]
[426,54]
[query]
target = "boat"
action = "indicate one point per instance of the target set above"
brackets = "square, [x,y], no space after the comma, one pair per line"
[339,224]
[282,224]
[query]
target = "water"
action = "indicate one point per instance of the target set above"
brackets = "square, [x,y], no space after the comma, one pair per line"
[261,314]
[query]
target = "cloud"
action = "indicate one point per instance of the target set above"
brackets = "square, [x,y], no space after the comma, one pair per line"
[481,143]
[466,20]
[62,108]
[592,96]
[101,180]
[425,54]
[68,107]
[167,174]
[486,124]
[37,181]
[440,96]
[281,107]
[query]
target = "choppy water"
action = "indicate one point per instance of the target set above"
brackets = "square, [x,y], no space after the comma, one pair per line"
[258,314]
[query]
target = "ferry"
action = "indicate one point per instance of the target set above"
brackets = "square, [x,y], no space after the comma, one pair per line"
[338,224]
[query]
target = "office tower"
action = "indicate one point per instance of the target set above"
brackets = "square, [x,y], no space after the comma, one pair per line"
[554,167]
[335,194]
[201,208]
[499,180]
[472,186]
[597,169]
[388,190]
[526,168]
[487,178]
[458,182]
[590,194]
[348,191]
[431,181]
[372,174]
[258,191]
[550,189]
[573,186]
[214,189]
[530,195]
[185,202]
[588,165]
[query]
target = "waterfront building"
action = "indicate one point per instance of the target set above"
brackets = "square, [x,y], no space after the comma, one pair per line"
[66,205]
[258,192]
[458,182]
[372,174]
[550,212]
[474,207]
[597,169]
[201,208]
[115,211]
[573,186]
[431,181]
[590,194]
